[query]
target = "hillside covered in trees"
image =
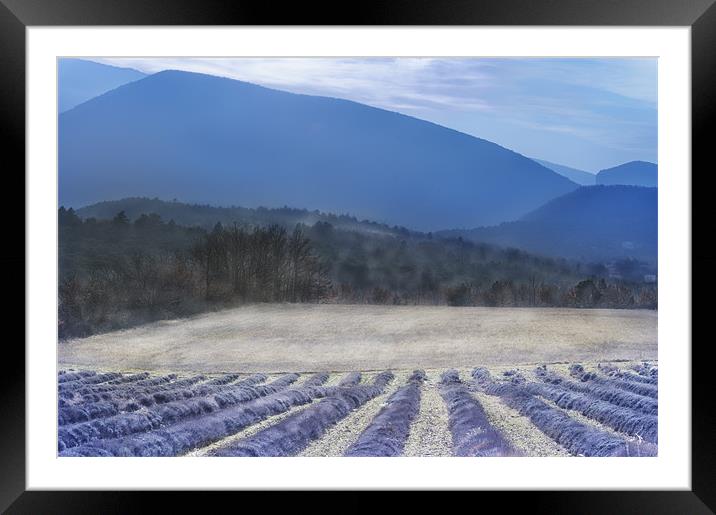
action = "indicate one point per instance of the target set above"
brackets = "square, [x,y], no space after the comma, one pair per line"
[206,216]
[126,270]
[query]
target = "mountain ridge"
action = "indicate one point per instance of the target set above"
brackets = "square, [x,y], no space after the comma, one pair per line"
[252,146]
[206,216]
[80,80]
[633,173]
[581,177]
[593,223]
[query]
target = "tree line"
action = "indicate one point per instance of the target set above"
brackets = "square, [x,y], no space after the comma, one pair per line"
[117,273]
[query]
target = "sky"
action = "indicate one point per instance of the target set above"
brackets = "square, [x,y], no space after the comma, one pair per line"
[587,113]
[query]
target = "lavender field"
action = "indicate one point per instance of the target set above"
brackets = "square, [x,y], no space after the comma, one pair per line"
[578,409]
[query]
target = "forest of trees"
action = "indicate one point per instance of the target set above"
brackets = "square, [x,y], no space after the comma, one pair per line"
[117,273]
[259,265]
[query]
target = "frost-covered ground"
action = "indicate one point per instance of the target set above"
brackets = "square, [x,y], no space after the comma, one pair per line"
[303,338]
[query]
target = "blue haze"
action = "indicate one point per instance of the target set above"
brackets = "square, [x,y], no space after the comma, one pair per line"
[593,223]
[585,113]
[578,176]
[635,173]
[201,138]
[80,80]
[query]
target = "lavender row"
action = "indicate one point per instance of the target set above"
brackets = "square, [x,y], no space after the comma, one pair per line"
[179,438]
[113,392]
[158,394]
[167,395]
[100,387]
[613,371]
[351,379]
[623,420]
[121,387]
[388,431]
[577,438]
[70,391]
[294,433]
[128,423]
[318,379]
[472,433]
[65,377]
[68,386]
[83,413]
[113,404]
[137,391]
[646,369]
[225,379]
[613,395]
[646,390]
[122,379]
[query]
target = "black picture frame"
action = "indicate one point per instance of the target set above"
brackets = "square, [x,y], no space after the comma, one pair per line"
[16,15]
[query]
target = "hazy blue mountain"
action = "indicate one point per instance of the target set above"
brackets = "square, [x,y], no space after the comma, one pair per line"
[206,139]
[592,223]
[573,174]
[634,173]
[80,80]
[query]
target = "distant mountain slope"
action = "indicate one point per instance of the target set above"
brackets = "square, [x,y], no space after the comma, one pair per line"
[219,141]
[579,176]
[634,173]
[191,215]
[593,223]
[80,80]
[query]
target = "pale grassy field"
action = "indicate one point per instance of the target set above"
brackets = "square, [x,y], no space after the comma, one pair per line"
[300,338]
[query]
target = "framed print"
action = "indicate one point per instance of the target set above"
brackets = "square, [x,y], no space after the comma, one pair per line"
[441,248]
